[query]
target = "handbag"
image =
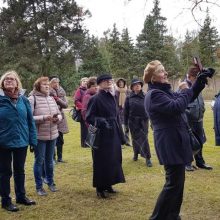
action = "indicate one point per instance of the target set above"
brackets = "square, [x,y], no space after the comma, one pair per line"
[194,139]
[76,114]
[92,139]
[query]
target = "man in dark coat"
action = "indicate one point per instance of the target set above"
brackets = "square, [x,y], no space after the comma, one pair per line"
[102,112]
[195,112]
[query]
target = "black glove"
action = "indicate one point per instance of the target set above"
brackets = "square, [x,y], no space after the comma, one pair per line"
[31,148]
[103,123]
[202,76]
[210,72]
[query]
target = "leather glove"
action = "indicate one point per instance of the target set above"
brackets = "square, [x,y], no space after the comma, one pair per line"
[102,123]
[31,148]
[202,77]
[210,72]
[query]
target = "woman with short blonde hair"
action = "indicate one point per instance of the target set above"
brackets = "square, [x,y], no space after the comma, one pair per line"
[166,112]
[16,77]
[17,131]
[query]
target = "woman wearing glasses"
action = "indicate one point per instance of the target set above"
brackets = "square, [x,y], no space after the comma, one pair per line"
[102,112]
[17,131]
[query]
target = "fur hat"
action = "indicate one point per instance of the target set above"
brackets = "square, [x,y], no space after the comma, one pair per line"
[150,70]
[136,81]
[103,77]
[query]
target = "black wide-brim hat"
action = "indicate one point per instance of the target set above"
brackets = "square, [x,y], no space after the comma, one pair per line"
[136,81]
[103,77]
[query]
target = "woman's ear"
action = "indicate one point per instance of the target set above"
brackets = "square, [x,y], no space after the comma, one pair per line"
[152,79]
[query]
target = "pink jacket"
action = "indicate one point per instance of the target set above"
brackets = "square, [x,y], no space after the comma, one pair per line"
[43,105]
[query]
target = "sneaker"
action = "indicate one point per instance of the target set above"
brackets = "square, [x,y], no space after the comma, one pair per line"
[41,192]
[149,163]
[52,188]
[189,168]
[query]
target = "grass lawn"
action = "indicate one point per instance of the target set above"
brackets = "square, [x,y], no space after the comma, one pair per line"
[76,198]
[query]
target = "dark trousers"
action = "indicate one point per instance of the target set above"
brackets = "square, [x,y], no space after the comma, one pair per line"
[84,132]
[199,158]
[170,199]
[197,127]
[59,145]
[18,157]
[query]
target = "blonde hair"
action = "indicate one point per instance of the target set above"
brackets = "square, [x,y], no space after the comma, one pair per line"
[150,69]
[13,73]
[84,78]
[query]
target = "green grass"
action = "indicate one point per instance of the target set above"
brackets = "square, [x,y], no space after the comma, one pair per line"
[76,198]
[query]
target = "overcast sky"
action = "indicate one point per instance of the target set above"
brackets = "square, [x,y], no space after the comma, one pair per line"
[131,14]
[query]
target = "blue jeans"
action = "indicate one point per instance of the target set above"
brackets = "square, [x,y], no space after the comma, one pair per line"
[44,156]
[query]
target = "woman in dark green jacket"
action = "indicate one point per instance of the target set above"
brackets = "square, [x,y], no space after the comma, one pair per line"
[17,131]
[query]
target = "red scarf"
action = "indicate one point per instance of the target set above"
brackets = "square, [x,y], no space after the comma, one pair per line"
[12,95]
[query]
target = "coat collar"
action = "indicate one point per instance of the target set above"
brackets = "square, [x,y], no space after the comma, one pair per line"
[140,94]
[161,86]
[21,92]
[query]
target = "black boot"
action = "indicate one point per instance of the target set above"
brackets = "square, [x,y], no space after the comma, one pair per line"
[110,190]
[135,158]
[101,193]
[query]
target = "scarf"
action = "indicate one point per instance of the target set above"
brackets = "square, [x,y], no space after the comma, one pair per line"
[122,96]
[12,95]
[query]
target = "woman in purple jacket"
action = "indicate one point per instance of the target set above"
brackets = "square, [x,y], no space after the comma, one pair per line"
[165,109]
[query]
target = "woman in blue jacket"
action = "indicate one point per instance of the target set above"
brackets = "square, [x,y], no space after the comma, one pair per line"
[171,137]
[17,131]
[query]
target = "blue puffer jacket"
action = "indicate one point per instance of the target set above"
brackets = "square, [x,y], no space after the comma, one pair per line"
[17,126]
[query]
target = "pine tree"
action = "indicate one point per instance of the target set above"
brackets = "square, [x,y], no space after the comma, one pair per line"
[37,35]
[93,62]
[208,42]
[151,40]
[189,49]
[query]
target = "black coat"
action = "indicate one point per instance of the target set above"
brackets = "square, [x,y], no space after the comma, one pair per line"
[107,159]
[136,118]
[195,112]
[165,109]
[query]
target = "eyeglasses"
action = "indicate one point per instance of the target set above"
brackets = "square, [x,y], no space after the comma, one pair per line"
[9,79]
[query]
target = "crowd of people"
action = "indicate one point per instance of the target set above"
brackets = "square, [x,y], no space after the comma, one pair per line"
[115,110]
